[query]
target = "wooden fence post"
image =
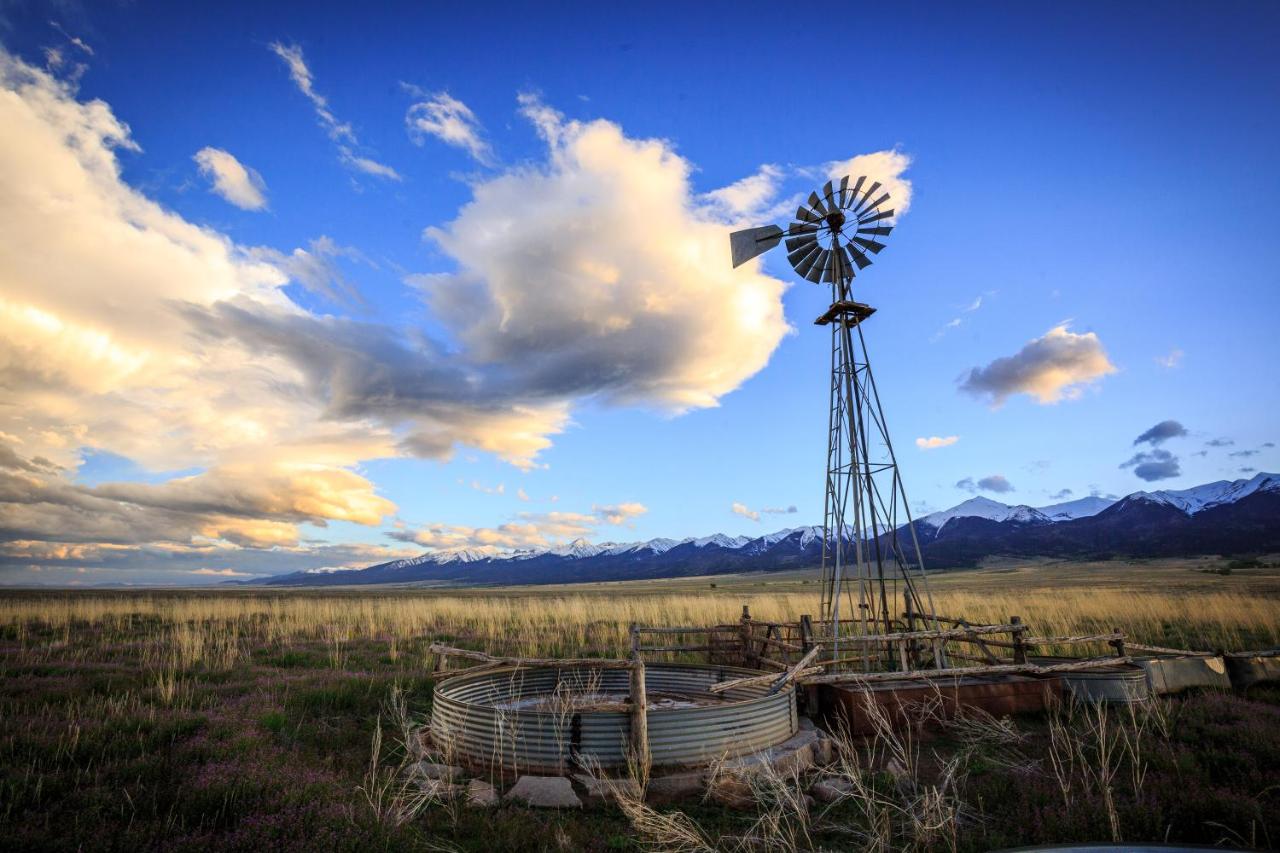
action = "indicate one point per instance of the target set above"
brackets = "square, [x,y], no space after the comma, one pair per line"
[1118,644]
[1019,647]
[639,716]
[745,632]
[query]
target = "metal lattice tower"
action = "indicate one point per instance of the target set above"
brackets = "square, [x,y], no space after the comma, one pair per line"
[871,562]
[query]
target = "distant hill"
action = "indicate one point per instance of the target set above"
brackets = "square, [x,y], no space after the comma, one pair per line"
[1225,517]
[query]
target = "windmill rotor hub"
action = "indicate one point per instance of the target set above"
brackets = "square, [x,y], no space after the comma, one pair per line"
[835,220]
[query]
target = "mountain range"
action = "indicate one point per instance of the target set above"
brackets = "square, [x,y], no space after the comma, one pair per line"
[1224,517]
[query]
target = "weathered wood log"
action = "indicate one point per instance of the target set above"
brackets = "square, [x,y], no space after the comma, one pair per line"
[782,644]
[752,680]
[707,648]
[961,672]
[790,674]
[599,663]
[1263,653]
[1066,641]
[948,634]
[1161,650]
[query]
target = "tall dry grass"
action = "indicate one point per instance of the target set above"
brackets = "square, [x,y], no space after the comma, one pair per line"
[216,629]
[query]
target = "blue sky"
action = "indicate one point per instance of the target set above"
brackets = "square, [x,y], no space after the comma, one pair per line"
[1109,171]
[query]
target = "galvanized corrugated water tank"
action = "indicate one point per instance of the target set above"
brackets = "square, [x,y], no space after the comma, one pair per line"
[1173,674]
[528,720]
[1122,682]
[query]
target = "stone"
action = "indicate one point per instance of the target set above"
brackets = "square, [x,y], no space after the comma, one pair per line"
[675,786]
[431,770]
[545,792]
[733,792]
[832,789]
[481,795]
[600,790]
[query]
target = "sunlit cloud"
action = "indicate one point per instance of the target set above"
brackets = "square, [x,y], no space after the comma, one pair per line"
[231,179]
[933,442]
[1051,368]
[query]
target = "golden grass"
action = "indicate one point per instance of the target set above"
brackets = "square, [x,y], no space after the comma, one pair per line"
[215,628]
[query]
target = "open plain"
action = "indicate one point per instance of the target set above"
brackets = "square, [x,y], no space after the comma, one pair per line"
[250,719]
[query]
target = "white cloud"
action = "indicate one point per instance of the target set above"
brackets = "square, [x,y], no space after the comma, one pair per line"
[528,530]
[883,166]
[934,441]
[522,495]
[232,180]
[500,489]
[751,199]
[599,273]
[342,134]
[223,573]
[451,121]
[1050,368]
[745,511]
[1173,359]
[956,322]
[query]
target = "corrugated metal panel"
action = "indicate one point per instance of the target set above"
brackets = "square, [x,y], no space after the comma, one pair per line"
[1247,671]
[1124,682]
[1174,674]
[468,714]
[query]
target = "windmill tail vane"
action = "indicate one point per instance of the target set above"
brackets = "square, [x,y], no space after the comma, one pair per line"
[870,556]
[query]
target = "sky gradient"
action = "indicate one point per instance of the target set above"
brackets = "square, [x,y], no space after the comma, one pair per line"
[284,289]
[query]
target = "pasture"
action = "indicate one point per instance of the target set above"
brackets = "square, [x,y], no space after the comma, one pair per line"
[262,719]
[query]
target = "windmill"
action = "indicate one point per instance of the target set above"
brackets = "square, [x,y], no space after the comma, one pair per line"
[870,558]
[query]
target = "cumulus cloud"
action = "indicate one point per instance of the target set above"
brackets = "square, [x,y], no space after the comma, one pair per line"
[340,132]
[451,121]
[992,483]
[1061,494]
[131,330]
[887,167]
[500,489]
[934,441]
[1160,433]
[751,199]
[632,300]
[1050,368]
[223,573]
[529,530]
[522,495]
[1171,360]
[1154,465]
[744,511]
[1219,442]
[231,179]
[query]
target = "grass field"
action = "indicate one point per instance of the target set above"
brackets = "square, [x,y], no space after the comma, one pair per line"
[242,718]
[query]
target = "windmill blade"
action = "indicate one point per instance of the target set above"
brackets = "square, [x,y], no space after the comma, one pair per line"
[816,204]
[884,214]
[808,262]
[751,242]
[800,255]
[829,268]
[844,192]
[828,195]
[869,245]
[858,257]
[877,203]
[879,230]
[815,271]
[805,214]
[794,243]
[853,193]
[871,189]
[802,228]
